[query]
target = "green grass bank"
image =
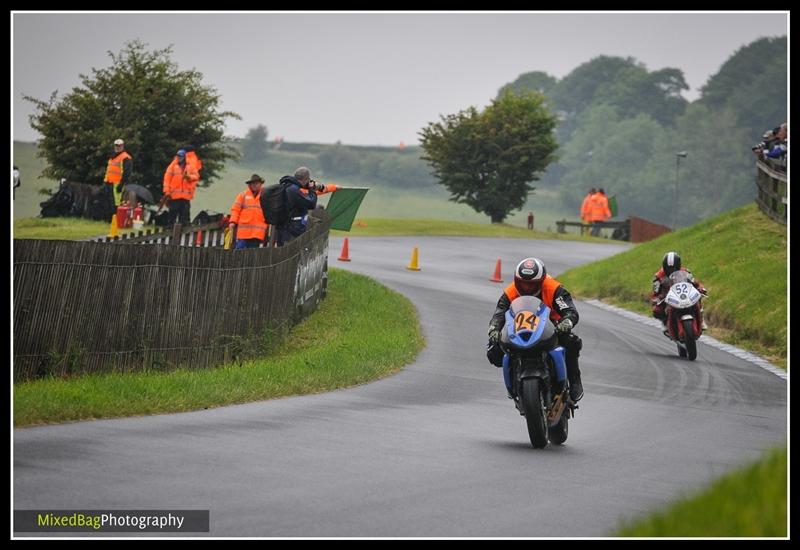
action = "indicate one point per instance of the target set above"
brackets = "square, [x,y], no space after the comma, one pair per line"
[740,256]
[749,502]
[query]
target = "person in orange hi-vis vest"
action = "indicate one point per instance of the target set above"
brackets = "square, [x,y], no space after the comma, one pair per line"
[585,207]
[248,217]
[598,210]
[118,171]
[180,182]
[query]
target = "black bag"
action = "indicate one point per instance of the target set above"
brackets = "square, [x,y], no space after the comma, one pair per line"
[275,204]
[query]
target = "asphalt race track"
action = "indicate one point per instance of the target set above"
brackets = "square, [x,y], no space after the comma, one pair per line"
[437,450]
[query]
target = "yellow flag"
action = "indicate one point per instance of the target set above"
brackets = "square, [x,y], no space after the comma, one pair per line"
[228,238]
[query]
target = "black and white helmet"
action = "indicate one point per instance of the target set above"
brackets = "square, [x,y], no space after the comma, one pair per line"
[529,276]
[671,263]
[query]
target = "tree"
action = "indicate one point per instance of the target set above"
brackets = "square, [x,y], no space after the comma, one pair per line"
[535,81]
[339,160]
[489,159]
[255,146]
[753,83]
[142,98]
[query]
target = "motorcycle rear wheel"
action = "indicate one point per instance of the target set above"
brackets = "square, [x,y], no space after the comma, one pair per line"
[534,412]
[689,339]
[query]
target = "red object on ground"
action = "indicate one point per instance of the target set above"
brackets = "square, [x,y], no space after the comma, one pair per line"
[137,212]
[345,256]
[496,278]
[122,215]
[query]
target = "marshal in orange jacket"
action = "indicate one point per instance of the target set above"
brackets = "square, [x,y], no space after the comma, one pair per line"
[180,182]
[248,216]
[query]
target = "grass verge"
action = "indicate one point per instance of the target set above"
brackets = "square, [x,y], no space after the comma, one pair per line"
[326,351]
[381,227]
[749,502]
[61,229]
[740,256]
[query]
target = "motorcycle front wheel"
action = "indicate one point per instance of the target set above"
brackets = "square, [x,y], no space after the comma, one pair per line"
[534,412]
[689,339]
[558,433]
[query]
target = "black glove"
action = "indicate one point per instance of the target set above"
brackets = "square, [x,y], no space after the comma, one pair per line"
[120,187]
[494,354]
[494,335]
[320,188]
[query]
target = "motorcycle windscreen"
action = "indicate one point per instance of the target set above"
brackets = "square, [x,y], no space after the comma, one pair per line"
[527,322]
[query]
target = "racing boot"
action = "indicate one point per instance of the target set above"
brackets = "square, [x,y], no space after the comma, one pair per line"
[575,386]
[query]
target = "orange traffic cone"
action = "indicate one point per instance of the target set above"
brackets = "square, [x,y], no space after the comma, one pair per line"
[345,255]
[414,265]
[496,278]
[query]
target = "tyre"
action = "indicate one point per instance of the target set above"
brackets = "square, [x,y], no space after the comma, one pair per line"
[689,339]
[534,412]
[558,433]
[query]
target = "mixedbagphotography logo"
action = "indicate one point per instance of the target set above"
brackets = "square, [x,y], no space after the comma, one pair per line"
[180,521]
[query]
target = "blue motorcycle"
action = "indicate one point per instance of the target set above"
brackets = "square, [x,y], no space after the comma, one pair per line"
[535,371]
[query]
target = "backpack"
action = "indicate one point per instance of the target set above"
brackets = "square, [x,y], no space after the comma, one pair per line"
[275,203]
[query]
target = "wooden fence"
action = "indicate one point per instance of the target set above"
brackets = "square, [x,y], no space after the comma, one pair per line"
[86,307]
[772,192]
[636,230]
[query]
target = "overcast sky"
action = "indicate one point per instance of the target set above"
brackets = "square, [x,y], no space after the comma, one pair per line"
[367,78]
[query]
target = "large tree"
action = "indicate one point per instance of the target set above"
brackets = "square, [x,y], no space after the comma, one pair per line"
[142,98]
[254,145]
[488,159]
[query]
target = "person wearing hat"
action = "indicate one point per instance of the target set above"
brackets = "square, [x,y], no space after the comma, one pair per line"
[180,182]
[118,171]
[248,217]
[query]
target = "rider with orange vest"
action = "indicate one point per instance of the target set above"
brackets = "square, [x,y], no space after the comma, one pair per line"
[531,279]
[247,215]
[180,182]
[118,170]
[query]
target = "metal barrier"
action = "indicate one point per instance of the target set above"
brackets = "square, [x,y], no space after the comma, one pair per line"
[772,190]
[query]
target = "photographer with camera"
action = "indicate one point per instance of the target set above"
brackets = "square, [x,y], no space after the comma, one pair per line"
[301,196]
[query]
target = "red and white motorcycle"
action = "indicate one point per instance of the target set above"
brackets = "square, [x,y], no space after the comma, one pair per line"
[684,313]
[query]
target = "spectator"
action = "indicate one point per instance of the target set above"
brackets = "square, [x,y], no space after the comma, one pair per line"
[598,211]
[17,183]
[585,207]
[246,214]
[301,196]
[118,171]
[530,221]
[778,147]
[180,182]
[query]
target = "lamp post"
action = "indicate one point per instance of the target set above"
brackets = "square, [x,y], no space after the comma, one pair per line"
[678,156]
